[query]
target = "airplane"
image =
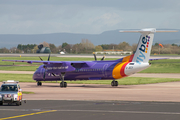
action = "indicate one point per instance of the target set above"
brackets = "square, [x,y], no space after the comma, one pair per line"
[97,70]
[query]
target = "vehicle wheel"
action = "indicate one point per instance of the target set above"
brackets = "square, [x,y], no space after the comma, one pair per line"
[17,103]
[1,103]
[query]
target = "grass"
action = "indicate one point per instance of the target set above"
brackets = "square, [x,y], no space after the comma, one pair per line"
[157,66]
[17,77]
[26,92]
[163,66]
[123,81]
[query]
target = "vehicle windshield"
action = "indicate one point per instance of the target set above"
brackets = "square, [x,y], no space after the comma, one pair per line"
[9,88]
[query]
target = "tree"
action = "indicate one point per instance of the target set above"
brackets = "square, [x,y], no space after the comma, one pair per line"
[87,44]
[64,44]
[174,44]
[134,47]
[4,50]
[45,44]
[53,48]
[156,44]
[124,46]
[98,48]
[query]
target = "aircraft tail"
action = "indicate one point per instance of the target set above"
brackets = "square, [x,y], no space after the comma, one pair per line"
[144,46]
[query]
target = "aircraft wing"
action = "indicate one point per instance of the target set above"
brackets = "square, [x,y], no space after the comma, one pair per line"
[158,59]
[76,63]
[34,61]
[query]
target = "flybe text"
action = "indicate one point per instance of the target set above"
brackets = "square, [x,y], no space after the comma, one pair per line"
[143,49]
[145,44]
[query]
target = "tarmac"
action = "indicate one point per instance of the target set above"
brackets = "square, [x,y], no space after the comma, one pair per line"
[91,110]
[167,92]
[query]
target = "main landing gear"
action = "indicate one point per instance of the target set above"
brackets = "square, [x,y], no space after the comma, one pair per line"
[39,83]
[63,84]
[114,83]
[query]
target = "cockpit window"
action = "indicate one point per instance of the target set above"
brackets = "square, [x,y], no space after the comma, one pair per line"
[9,88]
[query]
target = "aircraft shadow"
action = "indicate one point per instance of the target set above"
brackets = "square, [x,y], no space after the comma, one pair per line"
[82,86]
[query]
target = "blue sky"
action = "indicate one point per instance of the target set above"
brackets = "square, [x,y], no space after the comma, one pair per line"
[86,16]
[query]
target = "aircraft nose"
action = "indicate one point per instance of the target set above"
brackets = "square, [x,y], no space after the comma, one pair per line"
[35,75]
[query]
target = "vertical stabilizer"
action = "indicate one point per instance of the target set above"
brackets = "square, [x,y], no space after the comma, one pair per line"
[144,46]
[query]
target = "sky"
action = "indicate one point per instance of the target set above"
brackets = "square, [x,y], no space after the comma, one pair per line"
[86,16]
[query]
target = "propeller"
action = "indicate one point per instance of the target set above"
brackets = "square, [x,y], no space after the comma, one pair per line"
[49,57]
[45,66]
[95,56]
[40,58]
[103,58]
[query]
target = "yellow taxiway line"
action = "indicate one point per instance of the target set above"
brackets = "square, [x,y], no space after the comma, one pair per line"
[27,114]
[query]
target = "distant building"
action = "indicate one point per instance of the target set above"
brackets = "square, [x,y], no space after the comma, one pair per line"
[121,52]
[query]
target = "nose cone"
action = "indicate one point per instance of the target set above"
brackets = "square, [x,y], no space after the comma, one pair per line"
[35,76]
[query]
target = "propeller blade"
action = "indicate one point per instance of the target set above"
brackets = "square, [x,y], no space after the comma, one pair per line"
[95,56]
[40,58]
[103,58]
[49,57]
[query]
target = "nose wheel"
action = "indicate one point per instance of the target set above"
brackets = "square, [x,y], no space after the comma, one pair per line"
[39,83]
[114,83]
[63,84]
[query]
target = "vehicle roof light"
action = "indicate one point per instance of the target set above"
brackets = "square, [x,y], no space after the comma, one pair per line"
[10,81]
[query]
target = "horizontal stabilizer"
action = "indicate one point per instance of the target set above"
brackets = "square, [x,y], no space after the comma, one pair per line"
[149,30]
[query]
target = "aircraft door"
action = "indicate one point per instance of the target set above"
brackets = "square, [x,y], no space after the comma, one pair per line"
[42,72]
[105,70]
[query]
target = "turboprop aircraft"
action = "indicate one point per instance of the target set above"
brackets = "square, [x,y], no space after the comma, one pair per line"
[97,70]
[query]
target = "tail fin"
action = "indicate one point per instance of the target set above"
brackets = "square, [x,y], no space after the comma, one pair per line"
[143,50]
[144,46]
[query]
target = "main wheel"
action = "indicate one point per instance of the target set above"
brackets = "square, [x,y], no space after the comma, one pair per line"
[116,83]
[65,84]
[61,85]
[112,83]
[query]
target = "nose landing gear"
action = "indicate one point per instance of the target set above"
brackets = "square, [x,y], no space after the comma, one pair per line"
[63,84]
[39,83]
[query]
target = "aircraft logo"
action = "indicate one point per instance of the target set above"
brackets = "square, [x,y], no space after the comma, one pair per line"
[144,46]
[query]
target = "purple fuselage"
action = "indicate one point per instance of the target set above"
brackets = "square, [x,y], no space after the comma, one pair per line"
[90,70]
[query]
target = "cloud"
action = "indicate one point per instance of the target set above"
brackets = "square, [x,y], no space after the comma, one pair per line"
[77,16]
